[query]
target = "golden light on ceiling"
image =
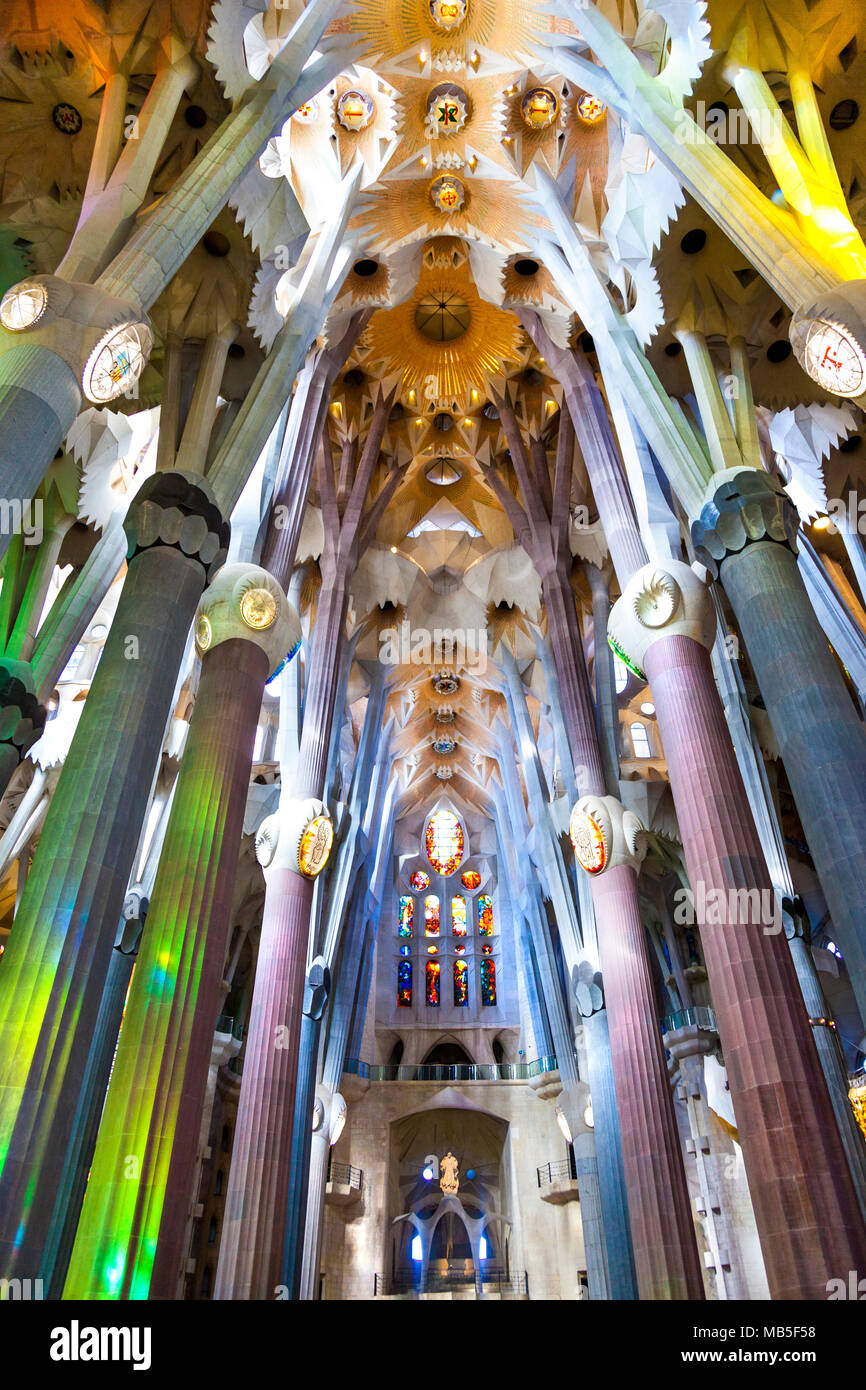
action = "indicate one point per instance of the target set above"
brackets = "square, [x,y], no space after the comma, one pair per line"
[444,368]
[391,28]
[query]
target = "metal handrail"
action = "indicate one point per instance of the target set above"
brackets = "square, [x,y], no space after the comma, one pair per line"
[553,1172]
[700,1016]
[345,1174]
[482,1279]
[458,1071]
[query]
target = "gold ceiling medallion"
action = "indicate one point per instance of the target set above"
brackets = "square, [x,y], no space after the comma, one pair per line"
[448,15]
[447,194]
[590,110]
[446,684]
[539,108]
[447,111]
[444,369]
[442,316]
[355,110]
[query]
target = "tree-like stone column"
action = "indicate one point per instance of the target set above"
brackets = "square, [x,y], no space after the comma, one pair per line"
[806,1210]
[251,1251]
[55,966]
[610,844]
[746,535]
[130,1241]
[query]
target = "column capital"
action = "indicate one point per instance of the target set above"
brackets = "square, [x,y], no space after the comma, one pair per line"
[244,602]
[743,505]
[669,599]
[104,340]
[606,836]
[22,718]
[178,510]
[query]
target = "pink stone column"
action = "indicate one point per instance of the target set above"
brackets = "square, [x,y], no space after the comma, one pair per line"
[250,1260]
[662,1229]
[804,1201]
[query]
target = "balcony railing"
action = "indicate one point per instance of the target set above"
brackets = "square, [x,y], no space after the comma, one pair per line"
[556,1172]
[458,1071]
[701,1016]
[487,1281]
[345,1174]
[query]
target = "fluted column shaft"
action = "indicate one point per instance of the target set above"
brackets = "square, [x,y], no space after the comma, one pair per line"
[55,965]
[663,1234]
[662,1228]
[250,1264]
[805,1207]
[131,1234]
[54,969]
[820,736]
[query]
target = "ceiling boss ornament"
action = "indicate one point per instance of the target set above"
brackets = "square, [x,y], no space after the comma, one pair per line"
[355,110]
[590,110]
[539,108]
[447,111]
[448,15]
[447,194]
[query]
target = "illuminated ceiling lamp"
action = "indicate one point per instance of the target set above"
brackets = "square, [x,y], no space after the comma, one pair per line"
[443,472]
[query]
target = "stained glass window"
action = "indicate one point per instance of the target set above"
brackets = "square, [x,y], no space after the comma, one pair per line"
[471,879]
[407,909]
[404,984]
[444,842]
[432,950]
[419,880]
[461,983]
[488,981]
[458,915]
[431,915]
[460,950]
[484,908]
[433,970]
[487,949]
[405,950]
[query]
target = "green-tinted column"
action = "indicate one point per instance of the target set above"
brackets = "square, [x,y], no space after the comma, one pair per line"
[130,1241]
[54,969]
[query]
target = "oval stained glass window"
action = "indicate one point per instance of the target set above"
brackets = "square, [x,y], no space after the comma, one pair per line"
[444,842]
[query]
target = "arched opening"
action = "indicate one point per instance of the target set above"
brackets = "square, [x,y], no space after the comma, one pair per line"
[396,1056]
[498,1051]
[447,1054]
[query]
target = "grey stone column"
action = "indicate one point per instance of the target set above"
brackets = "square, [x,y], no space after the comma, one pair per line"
[746,533]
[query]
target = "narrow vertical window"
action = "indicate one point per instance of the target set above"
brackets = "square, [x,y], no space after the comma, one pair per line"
[433,970]
[640,741]
[458,915]
[488,981]
[407,909]
[431,915]
[404,984]
[485,914]
[461,983]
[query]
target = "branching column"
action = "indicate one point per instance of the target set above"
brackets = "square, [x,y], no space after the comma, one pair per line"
[251,1252]
[663,1234]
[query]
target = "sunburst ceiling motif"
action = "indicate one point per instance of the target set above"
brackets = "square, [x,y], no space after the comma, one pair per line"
[445,338]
